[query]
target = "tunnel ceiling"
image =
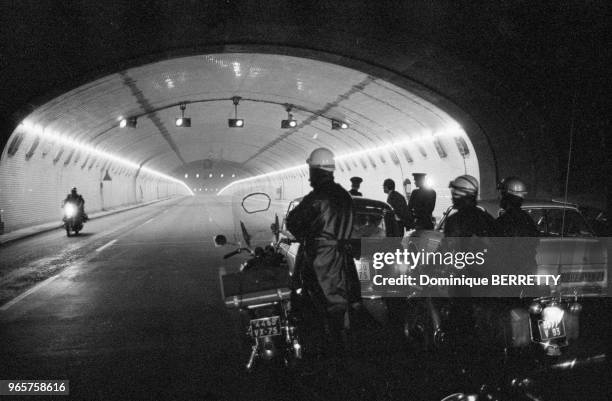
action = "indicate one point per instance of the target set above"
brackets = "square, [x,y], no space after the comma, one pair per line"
[377,111]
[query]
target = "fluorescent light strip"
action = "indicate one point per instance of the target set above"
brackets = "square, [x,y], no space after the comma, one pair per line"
[453,129]
[35,129]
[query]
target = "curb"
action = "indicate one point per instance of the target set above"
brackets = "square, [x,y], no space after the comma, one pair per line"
[43,228]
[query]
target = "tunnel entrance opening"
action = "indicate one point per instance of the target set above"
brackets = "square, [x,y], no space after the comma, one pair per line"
[394,128]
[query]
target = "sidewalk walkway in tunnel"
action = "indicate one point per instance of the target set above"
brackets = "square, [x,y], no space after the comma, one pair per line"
[54,225]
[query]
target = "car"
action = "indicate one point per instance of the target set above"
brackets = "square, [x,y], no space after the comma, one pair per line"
[372,219]
[575,252]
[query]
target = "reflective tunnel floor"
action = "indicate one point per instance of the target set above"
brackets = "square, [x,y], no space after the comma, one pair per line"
[142,318]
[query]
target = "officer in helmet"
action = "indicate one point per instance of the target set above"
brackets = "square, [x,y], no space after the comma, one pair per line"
[514,221]
[355,183]
[469,220]
[323,223]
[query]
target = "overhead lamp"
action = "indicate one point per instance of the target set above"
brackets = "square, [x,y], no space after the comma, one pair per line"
[235,122]
[182,121]
[336,124]
[128,122]
[289,122]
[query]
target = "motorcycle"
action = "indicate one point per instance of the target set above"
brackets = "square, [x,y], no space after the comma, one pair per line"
[73,218]
[262,292]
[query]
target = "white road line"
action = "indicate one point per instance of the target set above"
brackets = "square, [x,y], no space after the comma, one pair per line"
[28,292]
[148,221]
[106,245]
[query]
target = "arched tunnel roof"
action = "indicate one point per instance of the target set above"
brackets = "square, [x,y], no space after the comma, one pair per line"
[378,113]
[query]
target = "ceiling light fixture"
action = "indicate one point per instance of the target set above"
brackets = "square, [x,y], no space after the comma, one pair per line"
[182,121]
[128,122]
[289,122]
[235,122]
[336,124]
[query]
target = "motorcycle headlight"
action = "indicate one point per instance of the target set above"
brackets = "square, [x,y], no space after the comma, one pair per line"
[552,314]
[69,210]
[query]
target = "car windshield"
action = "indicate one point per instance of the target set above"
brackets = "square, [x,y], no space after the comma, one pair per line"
[550,222]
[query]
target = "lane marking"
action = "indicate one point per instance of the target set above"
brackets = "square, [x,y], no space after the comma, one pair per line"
[106,245]
[148,221]
[28,292]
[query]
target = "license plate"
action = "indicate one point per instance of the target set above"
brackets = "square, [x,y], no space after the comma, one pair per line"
[267,326]
[551,331]
[363,269]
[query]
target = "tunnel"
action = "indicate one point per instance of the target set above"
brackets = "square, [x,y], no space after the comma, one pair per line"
[77,139]
[165,115]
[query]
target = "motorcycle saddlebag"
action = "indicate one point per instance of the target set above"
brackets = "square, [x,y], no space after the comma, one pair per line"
[255,287]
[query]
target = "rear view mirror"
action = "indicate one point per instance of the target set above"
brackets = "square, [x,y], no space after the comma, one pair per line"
[220,240]
[257,202]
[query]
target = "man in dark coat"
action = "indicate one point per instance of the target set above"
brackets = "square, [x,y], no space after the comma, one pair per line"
[323,223]
[398,203]
[421,204]
[515,222]
[355,183]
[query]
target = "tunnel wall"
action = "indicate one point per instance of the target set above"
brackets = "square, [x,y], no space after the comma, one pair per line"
[374,168]
[37,174]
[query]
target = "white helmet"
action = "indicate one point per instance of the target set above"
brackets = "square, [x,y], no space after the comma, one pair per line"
[513,186]
[464,185]
[322,158]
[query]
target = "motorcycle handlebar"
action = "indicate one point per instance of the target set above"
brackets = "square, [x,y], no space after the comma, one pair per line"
[229,255]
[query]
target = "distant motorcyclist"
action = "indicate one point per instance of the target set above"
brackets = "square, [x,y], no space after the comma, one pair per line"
[398,203]
[422,203]
[323,222]
[75,198]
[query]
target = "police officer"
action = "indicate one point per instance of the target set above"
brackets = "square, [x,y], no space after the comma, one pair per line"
[397,202]
[469,220]
[515,222]
[323,223]
[421,204]
[355,183]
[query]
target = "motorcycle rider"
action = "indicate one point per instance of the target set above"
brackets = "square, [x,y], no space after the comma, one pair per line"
[75,198]
[515,222]
[323,223]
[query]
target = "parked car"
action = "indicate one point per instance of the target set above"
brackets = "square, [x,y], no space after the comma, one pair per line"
[576,253]
[372,219]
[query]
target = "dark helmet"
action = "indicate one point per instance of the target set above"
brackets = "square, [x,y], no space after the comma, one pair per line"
[73,190]
[464,185]
[513,186]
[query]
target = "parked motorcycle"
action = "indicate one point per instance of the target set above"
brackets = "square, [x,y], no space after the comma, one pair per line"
[262,291]
[73,218]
